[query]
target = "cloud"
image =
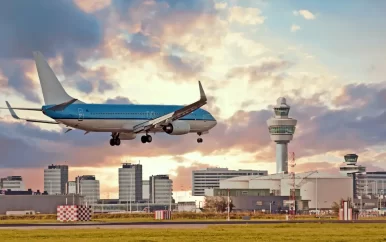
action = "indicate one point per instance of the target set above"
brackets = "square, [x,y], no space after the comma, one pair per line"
[119,100]
[16,78]
[183,180]
[295,28]
[60,28]
[92,6]
[99,79]
[184,68]
[142,46]
[266,69]
[250,16]
[305,13]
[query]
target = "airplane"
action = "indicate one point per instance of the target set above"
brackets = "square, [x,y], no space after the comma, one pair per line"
[123,121]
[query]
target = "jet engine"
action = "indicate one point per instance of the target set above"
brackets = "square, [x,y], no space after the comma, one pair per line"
[177,127]
[127,136]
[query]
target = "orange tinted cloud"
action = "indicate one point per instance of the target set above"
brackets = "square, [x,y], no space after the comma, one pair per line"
[183,180]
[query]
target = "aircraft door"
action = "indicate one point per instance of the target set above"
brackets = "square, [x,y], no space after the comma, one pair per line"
[80,112]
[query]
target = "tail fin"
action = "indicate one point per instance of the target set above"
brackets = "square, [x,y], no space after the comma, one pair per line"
[53,92]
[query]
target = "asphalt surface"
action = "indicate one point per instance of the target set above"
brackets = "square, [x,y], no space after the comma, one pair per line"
[165,224]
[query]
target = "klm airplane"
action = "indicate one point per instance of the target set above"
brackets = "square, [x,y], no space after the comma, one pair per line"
[123,121]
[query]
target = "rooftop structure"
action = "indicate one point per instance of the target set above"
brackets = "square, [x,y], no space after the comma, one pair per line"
[281,129]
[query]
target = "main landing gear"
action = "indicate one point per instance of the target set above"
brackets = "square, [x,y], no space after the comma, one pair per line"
[115,140]
[199,140]
[146,138]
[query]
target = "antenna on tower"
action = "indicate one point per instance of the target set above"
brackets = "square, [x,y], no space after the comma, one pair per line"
[292,208]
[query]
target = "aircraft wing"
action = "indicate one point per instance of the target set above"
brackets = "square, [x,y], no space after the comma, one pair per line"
[14,115]
[170,117]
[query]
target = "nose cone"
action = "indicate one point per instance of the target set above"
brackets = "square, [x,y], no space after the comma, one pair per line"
[214,122]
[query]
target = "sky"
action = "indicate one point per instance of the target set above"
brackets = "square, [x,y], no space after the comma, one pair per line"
[326,58]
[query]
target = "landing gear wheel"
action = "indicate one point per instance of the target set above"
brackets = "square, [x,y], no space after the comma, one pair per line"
[148,138]
[199,140]
[144,139]
[117,141]
[112,142]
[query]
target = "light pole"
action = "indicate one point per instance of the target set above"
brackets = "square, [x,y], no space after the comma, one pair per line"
[170,192]
[228,206]
[316,196]
[131,179]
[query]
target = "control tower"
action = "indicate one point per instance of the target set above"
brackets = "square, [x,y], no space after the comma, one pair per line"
[281,129]
[351,169]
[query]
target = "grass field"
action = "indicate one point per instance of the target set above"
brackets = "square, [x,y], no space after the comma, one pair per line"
[277,233]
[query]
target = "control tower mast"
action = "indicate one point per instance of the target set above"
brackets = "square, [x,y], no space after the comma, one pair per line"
[281,129]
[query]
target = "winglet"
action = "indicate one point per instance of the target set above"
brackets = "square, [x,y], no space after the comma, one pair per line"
[202,93]
[14,115]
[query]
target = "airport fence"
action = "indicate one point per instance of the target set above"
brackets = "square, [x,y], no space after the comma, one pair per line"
[176,216]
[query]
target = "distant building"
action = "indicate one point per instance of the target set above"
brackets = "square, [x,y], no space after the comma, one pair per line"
[88,187]
[44,204]
[71,187]
[13,183]
[321,189]
[371,184]
[161,189]
[145,190]
[55,179]
[130,182]
[210,178]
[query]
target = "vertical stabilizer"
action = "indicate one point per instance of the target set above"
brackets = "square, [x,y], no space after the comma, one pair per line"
[53,91]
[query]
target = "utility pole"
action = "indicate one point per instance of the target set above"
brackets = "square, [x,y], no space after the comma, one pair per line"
[170,199]
[228,206]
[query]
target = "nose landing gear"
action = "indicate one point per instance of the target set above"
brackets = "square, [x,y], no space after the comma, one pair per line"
[199,140]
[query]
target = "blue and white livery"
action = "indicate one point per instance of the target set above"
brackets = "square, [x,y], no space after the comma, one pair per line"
[123,121]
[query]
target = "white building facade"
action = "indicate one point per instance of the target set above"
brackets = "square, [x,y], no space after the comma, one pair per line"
[211,177]
[161,189]
[145,190]
[13,183]
[88,187]
[55,179]
[130,182]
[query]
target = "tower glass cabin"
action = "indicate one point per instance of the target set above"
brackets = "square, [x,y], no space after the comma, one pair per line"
[281,129]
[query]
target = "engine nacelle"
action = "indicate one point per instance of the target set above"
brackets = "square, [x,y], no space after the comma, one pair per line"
[177,127]
[127,136]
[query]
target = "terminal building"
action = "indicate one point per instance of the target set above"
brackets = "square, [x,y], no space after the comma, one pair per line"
[211,177]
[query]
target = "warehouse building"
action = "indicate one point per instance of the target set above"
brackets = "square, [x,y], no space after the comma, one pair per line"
[44,204]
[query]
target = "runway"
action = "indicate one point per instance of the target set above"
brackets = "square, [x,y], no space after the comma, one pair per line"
[165,224]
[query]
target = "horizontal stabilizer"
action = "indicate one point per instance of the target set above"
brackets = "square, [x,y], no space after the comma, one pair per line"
[14,115]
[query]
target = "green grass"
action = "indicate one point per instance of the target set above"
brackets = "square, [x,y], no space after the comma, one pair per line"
[277,233]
